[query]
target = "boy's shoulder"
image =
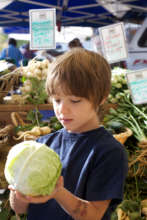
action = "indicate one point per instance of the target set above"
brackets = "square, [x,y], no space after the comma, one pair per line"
[105,142]
[44,139]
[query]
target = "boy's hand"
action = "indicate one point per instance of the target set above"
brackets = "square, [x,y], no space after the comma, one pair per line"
[38,199]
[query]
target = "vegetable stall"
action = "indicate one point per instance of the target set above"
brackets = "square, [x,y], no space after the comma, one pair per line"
[124,116]
[21,119]
[22,99]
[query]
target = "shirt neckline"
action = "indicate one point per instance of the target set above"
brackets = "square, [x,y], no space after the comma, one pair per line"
[86,133]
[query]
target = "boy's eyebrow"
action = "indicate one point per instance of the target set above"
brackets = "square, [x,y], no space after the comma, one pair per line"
[54,95]
[73,96]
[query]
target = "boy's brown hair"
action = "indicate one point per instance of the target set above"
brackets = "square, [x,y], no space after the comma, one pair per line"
[82,73]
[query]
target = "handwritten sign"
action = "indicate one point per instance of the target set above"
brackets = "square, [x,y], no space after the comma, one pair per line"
[42,28]
[113,42]
[137,82]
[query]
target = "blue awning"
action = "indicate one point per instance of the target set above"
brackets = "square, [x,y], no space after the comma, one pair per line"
[85,13]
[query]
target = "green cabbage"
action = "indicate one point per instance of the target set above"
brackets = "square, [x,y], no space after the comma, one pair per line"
[32,168]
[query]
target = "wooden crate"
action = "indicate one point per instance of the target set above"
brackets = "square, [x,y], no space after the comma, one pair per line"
[7,109]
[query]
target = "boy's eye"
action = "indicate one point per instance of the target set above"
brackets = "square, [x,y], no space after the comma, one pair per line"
[75,101]
[56,100]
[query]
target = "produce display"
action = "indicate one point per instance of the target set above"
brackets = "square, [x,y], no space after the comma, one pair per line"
[33,79]
[130,210]
[32,168]
[6,67]
[5,134]
[126,121]
[124,114]
[28,131]
[32,134]
[23,125]
[31,83]
[8,82]
[37,69]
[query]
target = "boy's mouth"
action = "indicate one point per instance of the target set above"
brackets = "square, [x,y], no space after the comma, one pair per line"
[66,120]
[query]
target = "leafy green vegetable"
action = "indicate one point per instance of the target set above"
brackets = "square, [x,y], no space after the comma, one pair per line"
[131,116]
[4,214]
[55,124]
[129,205]
[114,216]
[37,95]
[32,168]
[34,116]
[114,127]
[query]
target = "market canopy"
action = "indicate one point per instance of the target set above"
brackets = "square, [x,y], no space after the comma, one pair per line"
[85,13]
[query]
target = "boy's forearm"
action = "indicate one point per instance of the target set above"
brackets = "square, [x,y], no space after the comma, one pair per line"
[77,208]
[18,206]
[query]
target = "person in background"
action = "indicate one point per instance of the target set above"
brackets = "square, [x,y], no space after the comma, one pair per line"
[94,163]
[12,53]
[27,54]
[75,43]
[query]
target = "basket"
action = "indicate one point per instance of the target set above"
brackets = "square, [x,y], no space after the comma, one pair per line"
[122,137]
[7,82]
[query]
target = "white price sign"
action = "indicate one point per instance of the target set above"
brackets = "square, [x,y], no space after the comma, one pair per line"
[137,82]
[42,29]
[113,42]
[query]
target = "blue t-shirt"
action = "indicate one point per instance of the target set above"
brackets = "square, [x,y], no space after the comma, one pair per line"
[13,53]
[94,168]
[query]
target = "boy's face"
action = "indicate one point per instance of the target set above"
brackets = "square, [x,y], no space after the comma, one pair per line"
[76,114]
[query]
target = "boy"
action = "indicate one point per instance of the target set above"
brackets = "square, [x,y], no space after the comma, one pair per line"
[94,163]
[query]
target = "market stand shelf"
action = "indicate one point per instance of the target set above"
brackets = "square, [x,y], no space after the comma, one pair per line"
[7,109]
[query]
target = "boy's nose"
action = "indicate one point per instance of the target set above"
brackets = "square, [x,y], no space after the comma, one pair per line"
[64,108]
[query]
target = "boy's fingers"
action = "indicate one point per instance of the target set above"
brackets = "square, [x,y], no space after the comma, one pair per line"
[11,187]
[32,199]
[38,199]
[18,194]
[21,197]
[60,182]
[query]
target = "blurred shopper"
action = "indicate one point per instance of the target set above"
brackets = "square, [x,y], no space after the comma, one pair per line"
[75,43]
[27,54]
[12,53]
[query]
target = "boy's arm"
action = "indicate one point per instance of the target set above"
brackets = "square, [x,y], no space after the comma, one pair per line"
[19,206]
[81,209]
[78,208]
